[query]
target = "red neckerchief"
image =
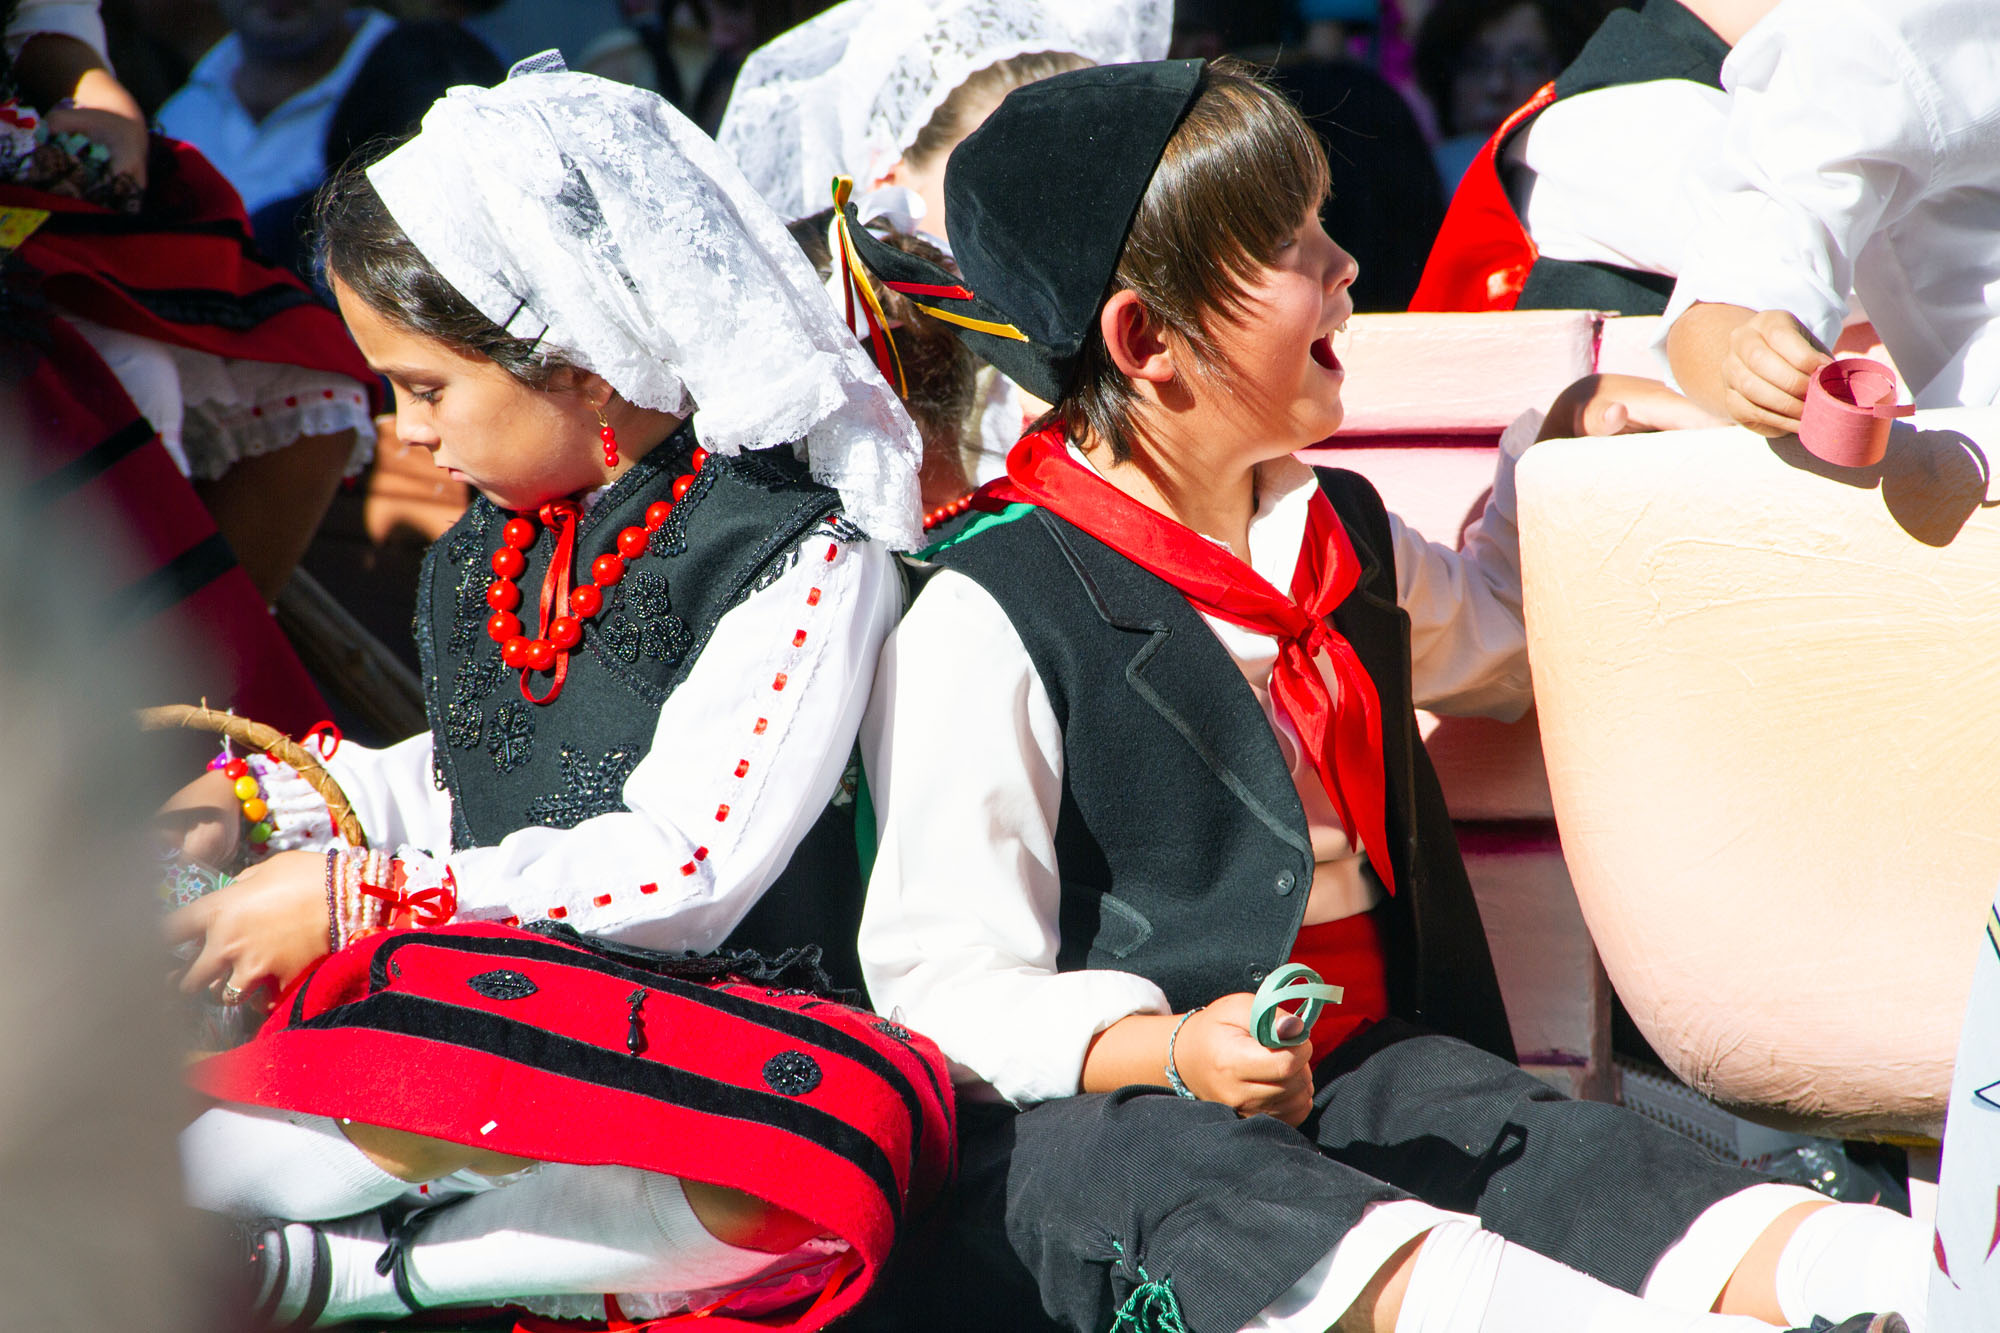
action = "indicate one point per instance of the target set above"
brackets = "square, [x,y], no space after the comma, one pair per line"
[1342,735]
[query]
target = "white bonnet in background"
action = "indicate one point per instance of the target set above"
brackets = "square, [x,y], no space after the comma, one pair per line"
[597,217]
[845,93]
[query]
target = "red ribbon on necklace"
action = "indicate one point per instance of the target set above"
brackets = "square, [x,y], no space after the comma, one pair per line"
[560,516]
[1341,731]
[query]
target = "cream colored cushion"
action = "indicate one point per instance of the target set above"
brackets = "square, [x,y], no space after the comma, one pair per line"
[1770,702]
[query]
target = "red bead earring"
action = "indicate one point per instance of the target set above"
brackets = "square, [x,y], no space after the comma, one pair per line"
[609,438]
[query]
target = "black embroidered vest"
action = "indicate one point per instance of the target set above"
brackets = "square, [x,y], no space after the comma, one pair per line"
[1662,41]
[510,764]
[1181,844]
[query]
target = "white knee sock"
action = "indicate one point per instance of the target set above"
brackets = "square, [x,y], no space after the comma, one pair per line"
[574,1229]
[252,1162]
[564,1230]
[1469,1280]
[1854,1257]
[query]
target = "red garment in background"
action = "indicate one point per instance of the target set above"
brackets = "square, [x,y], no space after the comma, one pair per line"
[1482,254]
[182,271]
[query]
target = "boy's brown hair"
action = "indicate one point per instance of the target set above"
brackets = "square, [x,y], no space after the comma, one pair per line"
[1240,173]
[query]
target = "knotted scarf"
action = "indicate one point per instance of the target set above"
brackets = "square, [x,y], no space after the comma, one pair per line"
[1340,726]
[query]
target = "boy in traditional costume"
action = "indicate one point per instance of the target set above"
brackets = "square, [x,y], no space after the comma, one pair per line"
[1147,738]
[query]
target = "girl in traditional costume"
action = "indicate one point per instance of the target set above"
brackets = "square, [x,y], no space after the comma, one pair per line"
[646,654]
[1146,738]
[881,91]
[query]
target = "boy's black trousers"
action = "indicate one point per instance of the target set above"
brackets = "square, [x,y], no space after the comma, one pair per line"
[1060,1207]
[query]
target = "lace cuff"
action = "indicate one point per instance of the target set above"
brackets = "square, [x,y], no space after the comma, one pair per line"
[299,820]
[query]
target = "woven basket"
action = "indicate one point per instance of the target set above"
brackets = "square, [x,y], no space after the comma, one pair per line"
[257,736]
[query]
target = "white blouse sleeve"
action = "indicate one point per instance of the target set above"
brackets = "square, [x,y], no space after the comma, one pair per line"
[66,18]
[1468,644]
[394,794]
[746,754]
[1608,172]
[1833,132]
[959,936]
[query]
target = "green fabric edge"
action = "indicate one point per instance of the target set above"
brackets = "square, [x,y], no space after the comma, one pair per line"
[866,844]
[977,526]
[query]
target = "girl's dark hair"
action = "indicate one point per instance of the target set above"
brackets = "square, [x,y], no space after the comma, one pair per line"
[1237,178]
[359,242]
[982,92]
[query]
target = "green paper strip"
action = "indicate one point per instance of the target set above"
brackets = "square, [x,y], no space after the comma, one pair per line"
[1293,981]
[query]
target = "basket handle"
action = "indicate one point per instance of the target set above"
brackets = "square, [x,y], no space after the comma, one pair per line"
[272,742]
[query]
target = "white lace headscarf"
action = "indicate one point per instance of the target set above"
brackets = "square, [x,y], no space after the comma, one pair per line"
[847,92]
[595,216]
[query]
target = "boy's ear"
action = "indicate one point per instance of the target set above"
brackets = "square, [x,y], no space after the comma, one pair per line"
[1136,340]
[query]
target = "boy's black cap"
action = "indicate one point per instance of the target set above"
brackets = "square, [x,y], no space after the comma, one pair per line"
[1039,200]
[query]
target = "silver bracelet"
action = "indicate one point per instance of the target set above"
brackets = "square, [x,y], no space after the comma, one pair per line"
[1174,1079]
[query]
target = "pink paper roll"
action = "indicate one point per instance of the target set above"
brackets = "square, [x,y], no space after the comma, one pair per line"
[1849,407]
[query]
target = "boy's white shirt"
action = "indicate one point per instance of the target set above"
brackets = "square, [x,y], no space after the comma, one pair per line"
[1861,157]
[963,754]
[707,871]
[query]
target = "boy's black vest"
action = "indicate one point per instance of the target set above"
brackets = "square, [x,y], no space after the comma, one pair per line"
[511,764]
[1181,843]
[1664,40]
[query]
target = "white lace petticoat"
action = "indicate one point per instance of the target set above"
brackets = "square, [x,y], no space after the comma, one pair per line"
[213,412]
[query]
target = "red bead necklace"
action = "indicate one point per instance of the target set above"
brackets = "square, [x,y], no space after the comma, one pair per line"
[945,512]
[563,608]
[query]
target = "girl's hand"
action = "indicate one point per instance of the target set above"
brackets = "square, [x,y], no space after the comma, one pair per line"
[1771,360]
[1221,1061]
[1621,405]
[269,924]
[124,138]
[203,821]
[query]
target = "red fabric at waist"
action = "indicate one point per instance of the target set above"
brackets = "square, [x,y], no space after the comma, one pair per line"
[1346,953]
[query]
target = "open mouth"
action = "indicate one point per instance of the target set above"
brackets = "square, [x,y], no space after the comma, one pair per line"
[1322,352]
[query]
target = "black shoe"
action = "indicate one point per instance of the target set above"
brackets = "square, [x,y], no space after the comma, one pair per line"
[276,1264]
[1861,1323]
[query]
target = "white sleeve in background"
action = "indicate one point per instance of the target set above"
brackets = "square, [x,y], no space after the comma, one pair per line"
[1833,133]
[959,936]
[1606,172]
[66,18]
[746,754]
[1468,644]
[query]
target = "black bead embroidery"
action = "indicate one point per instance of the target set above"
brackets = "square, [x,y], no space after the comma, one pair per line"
[754,469]
[670,538]
[590,787]
[505,984]
[510,738]
[469,688]
[838,527]
[645,593]
[641,620]
[895,1031]
[793,1073]
[466,550]
[621,639]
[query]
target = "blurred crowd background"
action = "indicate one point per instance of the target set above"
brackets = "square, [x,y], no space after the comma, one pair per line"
[272,91]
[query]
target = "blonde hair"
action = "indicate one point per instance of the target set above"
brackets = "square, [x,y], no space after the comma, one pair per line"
[982,92]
